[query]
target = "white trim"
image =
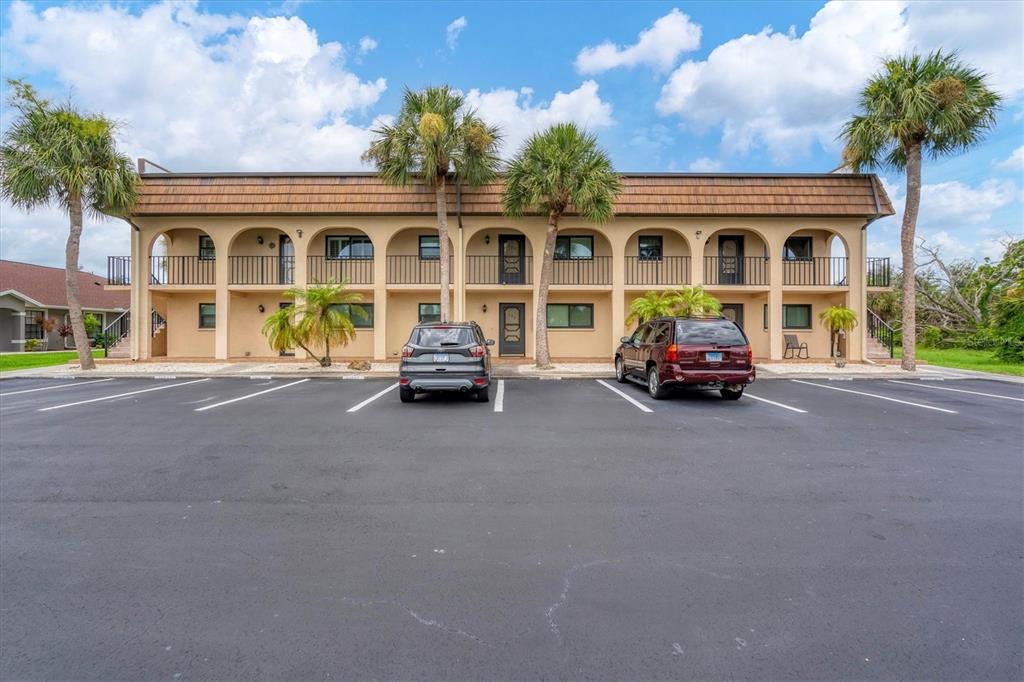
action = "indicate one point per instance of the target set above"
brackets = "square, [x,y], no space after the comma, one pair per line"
[32,301]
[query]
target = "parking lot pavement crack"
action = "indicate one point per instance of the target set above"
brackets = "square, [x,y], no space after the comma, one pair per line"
[427,622]
[563,598]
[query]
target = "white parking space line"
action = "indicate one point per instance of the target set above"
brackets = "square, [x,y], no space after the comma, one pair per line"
[636,403]
[955,390]
[250,395]
[121,395]
[356,408]
[499,397]
[70,384]
[875,395]
[772,402]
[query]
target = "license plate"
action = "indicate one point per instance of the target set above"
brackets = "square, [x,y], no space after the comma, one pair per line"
[713,357]
[443,357]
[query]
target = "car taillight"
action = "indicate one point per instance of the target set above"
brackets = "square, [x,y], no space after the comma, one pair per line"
[406,351]
[478,351]
[750,355]
[672,353]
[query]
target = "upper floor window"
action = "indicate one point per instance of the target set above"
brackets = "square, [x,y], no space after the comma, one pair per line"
[574,248]
[206,250]
[797,248]
[349,248]
[650,247]
[430,247]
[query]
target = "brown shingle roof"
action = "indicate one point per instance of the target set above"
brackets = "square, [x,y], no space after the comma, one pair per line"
[642,195]
[45,285]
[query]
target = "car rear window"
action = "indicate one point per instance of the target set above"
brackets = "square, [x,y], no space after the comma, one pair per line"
[441,336]
[719,332]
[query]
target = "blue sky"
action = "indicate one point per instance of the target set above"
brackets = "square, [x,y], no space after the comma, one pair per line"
[665,86]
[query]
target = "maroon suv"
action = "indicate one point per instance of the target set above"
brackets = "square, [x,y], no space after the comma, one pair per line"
[703,353]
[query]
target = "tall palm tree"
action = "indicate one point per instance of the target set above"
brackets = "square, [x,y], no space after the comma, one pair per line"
[56,155]
[434,136]
[916,105]
[320,316]
[558,170]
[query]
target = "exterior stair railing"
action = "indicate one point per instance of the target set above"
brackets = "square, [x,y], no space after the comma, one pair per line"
[881,331]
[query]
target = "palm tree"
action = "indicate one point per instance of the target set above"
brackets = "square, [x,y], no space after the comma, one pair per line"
[838,319]
[558,170]
[54,154]
[317,318]
[433,136]
[683,302]
[935,105]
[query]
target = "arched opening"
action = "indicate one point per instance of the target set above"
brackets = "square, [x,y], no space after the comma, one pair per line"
[582,257]
[499,255]
[815,257]
[735,257]
[182,256]
[340,254]
[658,257]
[414,257]
[261,256]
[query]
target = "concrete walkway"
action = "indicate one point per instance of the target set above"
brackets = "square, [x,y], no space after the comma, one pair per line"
[573,370]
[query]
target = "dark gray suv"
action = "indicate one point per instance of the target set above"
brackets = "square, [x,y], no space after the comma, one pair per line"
[446,356]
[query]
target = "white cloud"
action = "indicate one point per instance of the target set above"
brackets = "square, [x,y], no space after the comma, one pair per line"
[453,30]
[787,91]
[40,237]
[705,165]
[658,47]
[367,45]
[518,117]
[1014,162]
[202,90]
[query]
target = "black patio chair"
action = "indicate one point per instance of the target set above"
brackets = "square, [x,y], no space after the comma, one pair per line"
[794,348]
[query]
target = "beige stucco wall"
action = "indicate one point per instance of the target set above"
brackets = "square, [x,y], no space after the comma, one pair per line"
[490,321]
[397,307]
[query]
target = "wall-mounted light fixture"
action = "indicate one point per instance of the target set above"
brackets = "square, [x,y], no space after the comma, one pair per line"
[299,232]
[260,308]
[487,239]
[699,232]
[484,307]
[272,245]
[259,239]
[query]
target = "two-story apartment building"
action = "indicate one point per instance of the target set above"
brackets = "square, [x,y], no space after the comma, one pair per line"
[212,255]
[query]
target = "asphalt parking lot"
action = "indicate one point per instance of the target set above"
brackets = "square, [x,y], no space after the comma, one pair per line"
[232,528]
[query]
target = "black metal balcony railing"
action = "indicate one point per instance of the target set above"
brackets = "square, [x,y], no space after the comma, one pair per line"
[745,271]
[596,270]
[119,270]
[261,270]
[351,270]
[416,270]
[877,274]
[818,271]
[499,270]
[673,270]
[165,270]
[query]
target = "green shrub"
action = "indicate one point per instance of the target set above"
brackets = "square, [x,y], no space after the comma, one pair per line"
[1008,329]
[932,337]
[33,344]
[92,325]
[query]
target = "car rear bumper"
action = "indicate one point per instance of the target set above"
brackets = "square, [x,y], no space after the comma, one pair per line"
[674,374]
[444,382]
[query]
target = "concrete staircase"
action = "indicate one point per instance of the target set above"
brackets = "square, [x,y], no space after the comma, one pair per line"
[876,350]
[879,334]
[123,348]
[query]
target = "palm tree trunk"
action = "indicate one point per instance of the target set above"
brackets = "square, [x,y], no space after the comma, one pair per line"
[71,281]
[910,210]
[542,352]
[446,251]
[326,362]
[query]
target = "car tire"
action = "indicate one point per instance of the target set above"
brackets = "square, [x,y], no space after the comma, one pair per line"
[483,395]
[730,394]
[654,387]
[620,371]
[406,395]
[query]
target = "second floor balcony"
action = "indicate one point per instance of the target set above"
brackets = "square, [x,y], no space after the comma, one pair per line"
[817,271]
[736,270]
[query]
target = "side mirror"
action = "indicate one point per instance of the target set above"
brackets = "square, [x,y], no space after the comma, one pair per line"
[626,340]
[490,342]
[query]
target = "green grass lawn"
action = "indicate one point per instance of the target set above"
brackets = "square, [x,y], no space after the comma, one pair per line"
[12,361]
[962,358]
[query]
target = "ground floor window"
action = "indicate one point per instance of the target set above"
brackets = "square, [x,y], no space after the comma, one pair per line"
[796,316]
[207,316]
[571,315]
[430,312]
[361,314]
[33,324]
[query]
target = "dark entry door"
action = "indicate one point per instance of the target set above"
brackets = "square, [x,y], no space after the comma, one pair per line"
[286,264]
[730,260]
[734,312]
[513,329]
[512,265]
